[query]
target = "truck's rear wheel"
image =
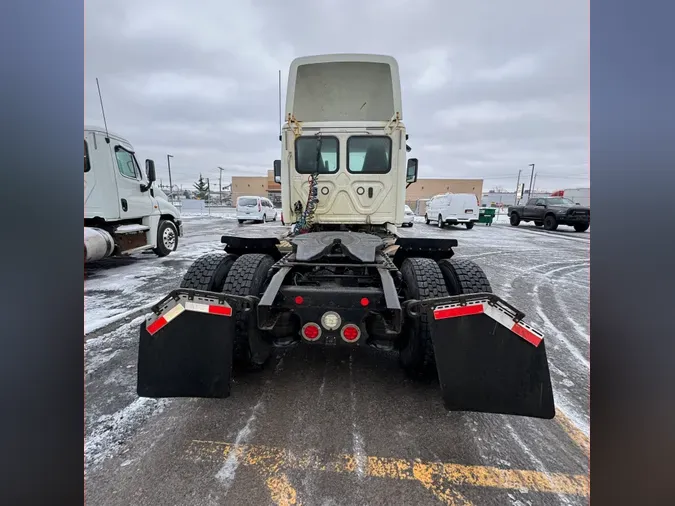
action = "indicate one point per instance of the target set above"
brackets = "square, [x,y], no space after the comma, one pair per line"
[167,238]
[426,219]
[440,221]
[421,279]
[582,227]
[208,272]
[463,277]
[469,225]
[248,276]
[514,219]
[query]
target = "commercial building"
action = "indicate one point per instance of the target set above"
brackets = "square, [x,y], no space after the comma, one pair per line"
[260,186]
[421,190]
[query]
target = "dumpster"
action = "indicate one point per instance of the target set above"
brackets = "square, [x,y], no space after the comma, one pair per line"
[486,215]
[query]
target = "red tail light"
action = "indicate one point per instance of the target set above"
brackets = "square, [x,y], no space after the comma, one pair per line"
[365,301]
[311,331]
[350,333]
[299,300]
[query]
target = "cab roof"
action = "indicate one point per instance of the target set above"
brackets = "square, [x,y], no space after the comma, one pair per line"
[348,87]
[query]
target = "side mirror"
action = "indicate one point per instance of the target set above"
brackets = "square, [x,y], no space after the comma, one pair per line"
[411,171]
[277,171]
[150,171]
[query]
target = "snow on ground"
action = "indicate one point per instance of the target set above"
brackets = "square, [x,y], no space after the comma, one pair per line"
[546,274]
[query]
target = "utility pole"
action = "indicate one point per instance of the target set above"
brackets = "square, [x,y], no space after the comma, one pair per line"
[531,176]
[220,184]
[168,164]
[515,201]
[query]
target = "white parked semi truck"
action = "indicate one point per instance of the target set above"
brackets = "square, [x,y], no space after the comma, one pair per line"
[350,280]
[122,213]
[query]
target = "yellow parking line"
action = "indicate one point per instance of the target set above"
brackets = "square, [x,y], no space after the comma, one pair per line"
[435,476]
[579,438]
[282,492]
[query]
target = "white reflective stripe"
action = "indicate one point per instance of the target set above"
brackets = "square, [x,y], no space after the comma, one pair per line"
[173,312]
[499,316]
[193,306]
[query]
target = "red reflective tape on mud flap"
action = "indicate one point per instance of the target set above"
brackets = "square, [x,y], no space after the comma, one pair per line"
[172,313]
[454,312]
[155,326]
[521,329]
[220,310]
[526,334]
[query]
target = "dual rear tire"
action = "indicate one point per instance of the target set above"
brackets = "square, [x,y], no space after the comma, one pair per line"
[243,275]
[424,278]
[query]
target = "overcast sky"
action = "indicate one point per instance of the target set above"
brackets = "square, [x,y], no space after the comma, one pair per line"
[489,87]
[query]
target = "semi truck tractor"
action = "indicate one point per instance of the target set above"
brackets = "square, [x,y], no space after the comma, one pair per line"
[350,278]
[122,213]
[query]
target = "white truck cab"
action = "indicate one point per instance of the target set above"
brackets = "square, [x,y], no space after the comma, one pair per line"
[453,209]
[122,213]
[343,154]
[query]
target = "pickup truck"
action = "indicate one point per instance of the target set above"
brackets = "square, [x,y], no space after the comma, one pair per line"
[551,212]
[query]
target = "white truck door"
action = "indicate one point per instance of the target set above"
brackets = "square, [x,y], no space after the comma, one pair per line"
[133,202]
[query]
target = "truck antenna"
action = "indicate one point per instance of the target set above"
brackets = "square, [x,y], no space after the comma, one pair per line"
[279,105]
[105,123]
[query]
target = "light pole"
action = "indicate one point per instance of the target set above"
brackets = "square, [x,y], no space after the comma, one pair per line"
[220,184]
[168,164]
[531,176]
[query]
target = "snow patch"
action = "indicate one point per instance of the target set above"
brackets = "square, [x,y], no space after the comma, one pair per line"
[111,431]
[357,439]
[227,473]
[94,324]
[539,465]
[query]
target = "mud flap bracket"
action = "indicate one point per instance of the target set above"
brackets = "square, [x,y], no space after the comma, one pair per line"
[488,359]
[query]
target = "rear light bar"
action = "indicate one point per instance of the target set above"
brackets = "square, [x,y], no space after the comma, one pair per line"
[494,311]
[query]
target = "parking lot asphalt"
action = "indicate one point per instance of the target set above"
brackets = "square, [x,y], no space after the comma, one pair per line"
[335,426]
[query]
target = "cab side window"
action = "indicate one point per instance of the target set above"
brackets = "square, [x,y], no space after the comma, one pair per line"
[126,163]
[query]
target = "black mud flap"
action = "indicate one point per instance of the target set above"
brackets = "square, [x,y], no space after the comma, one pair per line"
[488,359]
[185,347]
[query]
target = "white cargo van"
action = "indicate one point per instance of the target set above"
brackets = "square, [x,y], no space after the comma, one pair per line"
[453,209]
[255,208]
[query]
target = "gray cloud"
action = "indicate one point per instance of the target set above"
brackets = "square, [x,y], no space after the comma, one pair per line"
[488,88]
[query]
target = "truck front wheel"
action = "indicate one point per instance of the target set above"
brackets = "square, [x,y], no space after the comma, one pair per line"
[514,219]
[167,238]
[550,223]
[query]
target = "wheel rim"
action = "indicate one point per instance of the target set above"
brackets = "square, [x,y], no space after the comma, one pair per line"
[169,238]
[440,221]
[263,218]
